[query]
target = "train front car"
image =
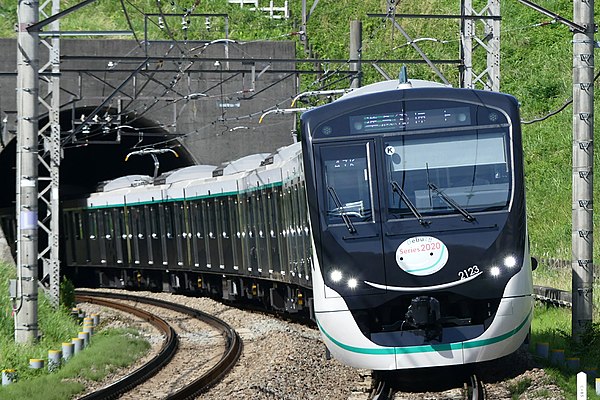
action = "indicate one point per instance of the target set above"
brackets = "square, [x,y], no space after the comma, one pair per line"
[417,210]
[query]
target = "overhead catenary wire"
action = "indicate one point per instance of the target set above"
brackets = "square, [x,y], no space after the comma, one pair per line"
[186,53]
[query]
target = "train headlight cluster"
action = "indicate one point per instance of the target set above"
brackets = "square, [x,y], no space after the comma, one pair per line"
[509,262]
[337,276]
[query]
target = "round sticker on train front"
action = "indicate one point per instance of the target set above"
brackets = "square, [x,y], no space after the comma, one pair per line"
[422,255]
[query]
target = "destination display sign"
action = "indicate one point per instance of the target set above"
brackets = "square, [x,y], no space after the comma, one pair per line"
[411,120]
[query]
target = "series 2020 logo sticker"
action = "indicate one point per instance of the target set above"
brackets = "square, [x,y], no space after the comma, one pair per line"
[422,255]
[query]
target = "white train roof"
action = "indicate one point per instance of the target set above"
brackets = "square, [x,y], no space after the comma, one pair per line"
[197,181]
[245,163]
[385,86]
[126,182]
[190,173]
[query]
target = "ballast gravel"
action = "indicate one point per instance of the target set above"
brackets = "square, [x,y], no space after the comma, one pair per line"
[287,361]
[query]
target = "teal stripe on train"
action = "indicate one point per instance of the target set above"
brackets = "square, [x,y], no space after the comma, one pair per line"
[428,348]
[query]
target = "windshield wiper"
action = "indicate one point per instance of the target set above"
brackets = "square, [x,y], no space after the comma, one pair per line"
[452,203]
[338,204]
[396,187]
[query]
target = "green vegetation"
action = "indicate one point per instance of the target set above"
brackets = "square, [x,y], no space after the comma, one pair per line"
[536,67]
[518,388]
[553,325]
[111,349]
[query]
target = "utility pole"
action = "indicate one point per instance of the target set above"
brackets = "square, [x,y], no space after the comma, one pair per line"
[355,53]
[25,306]
[49,159]
[583,162]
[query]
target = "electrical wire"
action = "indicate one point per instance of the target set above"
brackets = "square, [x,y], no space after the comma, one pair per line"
[558,110]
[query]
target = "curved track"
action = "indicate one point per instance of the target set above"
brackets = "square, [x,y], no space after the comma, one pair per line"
[230,356]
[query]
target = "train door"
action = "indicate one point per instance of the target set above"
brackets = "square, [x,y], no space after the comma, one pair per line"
[123,227]
[207,232]
[134,222]
[117,215]
[287,222]
[297,235]
[236,232]
[79,245]
[218,231]
[350,243]
[142,235]
[147,232]
[185,233]
[226,234]
[305,263]
[92,237]
[109,236]
[165,233]
[175,211]
[251,234]
[67,230]
[260,212]
[271,230]
[278,226]
[155,234]
[195,234]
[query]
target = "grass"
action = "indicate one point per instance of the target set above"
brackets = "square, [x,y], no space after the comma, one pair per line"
[111,349]
[553,325]
[536,67]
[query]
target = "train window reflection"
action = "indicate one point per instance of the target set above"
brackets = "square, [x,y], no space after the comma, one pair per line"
[347,186]
[470,168]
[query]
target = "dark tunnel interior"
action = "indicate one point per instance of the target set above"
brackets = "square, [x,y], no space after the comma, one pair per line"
[84,166]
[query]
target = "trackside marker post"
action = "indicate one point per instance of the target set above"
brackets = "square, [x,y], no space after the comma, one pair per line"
[581,386]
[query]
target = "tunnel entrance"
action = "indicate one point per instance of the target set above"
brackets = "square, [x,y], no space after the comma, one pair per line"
[86,164]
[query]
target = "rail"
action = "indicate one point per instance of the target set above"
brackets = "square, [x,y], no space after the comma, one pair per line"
[233,348]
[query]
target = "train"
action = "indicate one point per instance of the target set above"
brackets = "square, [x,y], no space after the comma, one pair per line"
[397,223]
[418,220]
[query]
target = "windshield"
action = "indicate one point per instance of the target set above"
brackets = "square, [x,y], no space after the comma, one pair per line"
[347,183]
[470,169]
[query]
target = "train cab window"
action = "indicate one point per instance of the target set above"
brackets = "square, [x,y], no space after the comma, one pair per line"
[470,169]
[347,182]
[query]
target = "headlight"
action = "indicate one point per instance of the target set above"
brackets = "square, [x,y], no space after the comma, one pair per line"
[336,275]
[495,271]
[510,261]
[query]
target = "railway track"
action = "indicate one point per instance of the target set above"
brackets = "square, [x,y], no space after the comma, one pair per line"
[385,387]
[275,351]
[231,354]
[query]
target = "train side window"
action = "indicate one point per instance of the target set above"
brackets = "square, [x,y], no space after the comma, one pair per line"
[109,225]
[78,225]
[197,215]
[347,182]
[141,223]
[212,219]
[93,225]
[225,219]
[169,220]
